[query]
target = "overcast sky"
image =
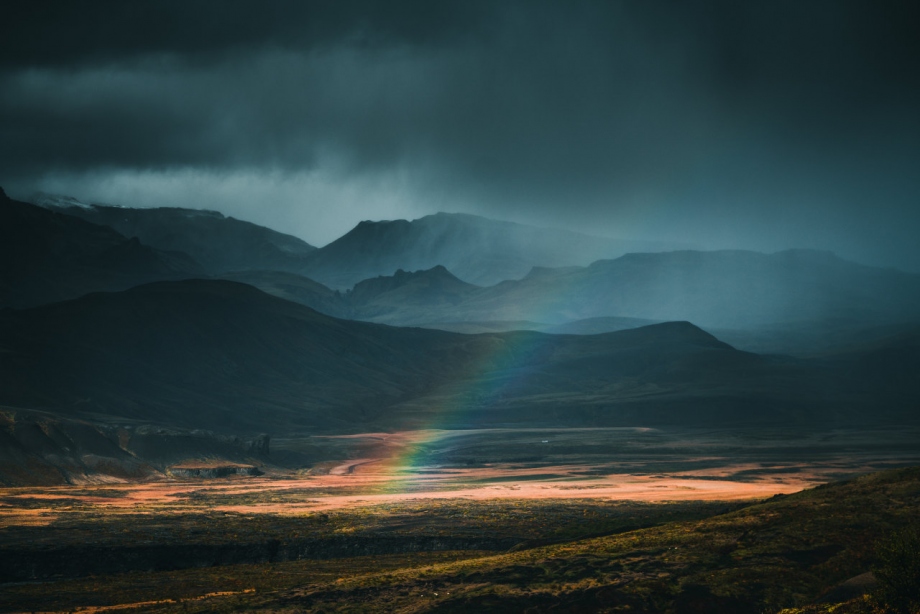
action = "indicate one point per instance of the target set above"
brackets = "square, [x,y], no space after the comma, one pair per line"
[762,125]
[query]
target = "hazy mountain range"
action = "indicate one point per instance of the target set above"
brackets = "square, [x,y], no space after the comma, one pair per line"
[420,274]
[452,268]
[253,340]
[218,354]
[723,289]
[476,249]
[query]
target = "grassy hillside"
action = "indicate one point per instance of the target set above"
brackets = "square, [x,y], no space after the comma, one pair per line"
[785,552]
[467,556]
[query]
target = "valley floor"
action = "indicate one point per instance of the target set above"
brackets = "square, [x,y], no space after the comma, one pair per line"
[479,520]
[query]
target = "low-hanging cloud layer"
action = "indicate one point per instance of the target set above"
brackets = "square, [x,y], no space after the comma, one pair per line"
[715,123]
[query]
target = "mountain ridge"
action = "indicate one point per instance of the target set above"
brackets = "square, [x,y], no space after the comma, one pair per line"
[721,289]
[740,292]
[48,256]
[777,303]
[225,356]
[220,243]
[476,249]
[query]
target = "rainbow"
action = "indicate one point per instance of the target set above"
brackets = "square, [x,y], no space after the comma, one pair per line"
[507,361]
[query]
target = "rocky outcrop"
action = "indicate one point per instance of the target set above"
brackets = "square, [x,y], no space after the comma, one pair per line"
[171,445]
[38,448]
[212,471]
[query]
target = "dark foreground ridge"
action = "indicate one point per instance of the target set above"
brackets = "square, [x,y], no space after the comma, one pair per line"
[217,242]
[788,551]
[79,561]
[783,553]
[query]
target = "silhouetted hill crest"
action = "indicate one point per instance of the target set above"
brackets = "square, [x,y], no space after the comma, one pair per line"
[676,332]
[436,274]
[418,291]
[224,356]
[46,255]
[220,243]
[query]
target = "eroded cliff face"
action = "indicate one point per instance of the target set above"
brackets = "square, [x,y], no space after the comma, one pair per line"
[37,448]
[168,446]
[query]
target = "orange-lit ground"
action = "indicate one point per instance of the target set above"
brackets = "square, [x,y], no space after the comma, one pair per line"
[385,468]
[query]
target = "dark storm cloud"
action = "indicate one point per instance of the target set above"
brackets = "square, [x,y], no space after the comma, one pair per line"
[66,33]
[725,120]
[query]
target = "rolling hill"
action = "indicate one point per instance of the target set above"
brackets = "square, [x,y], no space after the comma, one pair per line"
[225,356]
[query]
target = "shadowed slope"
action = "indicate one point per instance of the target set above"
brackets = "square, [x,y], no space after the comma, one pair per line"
[219,243]
[47,256]
[201,353]
[595,326]
[225,356]
[407,298]
[295,288]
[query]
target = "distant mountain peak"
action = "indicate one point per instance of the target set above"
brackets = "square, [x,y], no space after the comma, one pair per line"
[48,200]
[59,201]
[415,288]
[440,269]
[401,277]
[476,249]
[434,272]
[380,223]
